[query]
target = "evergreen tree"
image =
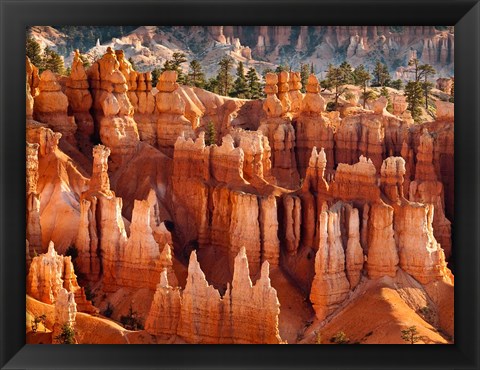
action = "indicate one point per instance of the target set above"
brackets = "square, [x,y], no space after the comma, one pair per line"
[265,71]
[253,84]
[305,72]
[415,63]
[67,335]
[410,335]
[381,75]
[33,52]
[336,78]
[174,64]
[85,62]
[224,78]
[361,78]
[425,71]
[210,134]
[347,72]
[52,61]
[240,89]
[155,75]
[367,96]
[281,68]
[196,77]
[397,84]
[212,85]
[384,92]
[414,97]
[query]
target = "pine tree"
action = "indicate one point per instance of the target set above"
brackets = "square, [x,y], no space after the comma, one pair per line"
[155,75]
[253,84]
[240,89]
[210,134]
[224,78]
[397,84]
[336,78]
[85,62]
[415,63]
[425,71]
[281,68]
[410,335]
[361,78]
[380,72]
[304,74]
[384,92]
[196,77]
[52,61]
[174,64]
[414,97]
[33,52]
[212,85]
[67,335]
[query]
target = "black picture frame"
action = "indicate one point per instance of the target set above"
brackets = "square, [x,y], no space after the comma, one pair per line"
[17,14]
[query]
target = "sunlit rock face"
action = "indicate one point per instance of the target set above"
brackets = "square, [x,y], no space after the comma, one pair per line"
[246,314]
[267,232]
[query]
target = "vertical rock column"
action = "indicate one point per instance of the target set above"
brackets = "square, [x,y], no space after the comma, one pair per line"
[113,111]
[34,230]
[171,121]
[312,128]
[330,286]
[164,314]
[427,189]
[145,114]
[65,314]
[294,94]
[280,133]
[80,101]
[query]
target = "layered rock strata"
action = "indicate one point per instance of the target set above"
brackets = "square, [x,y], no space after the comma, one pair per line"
[51,107]
[171,122]
[294,94]
[427,189]
[34,229]
[313,128]
[199,314]
[209,206]
[113,111]
[80,101]
[280,132]
[49,273]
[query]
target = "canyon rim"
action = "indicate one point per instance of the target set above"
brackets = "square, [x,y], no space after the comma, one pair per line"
[240,185]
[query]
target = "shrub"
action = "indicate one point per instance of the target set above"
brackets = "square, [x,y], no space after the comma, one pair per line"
[108,311]
[330,106]
[37,320]
[89,294]
[340,338]
[67,335]
[131,321]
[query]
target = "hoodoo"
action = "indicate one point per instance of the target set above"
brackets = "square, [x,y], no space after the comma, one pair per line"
[185,186]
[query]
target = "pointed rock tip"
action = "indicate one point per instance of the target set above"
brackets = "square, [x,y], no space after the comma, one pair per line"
[164,278]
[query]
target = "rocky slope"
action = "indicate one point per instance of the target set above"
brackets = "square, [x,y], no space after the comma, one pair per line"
[268,46]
